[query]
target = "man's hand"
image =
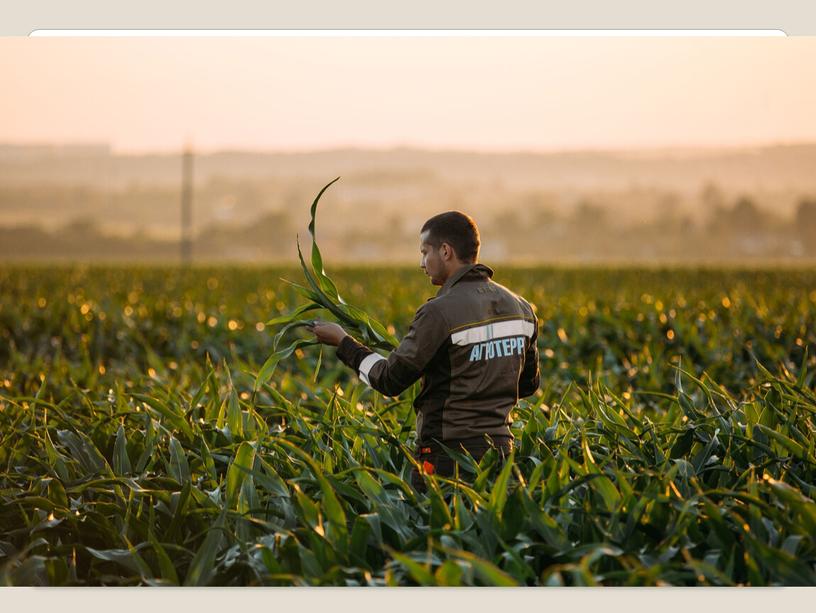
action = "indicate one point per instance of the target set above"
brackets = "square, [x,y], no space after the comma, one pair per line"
[327,333]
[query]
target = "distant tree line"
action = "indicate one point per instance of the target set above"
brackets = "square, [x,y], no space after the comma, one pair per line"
[733,231]
[729,231]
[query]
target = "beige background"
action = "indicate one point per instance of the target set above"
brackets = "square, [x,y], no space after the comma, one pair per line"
[796,17]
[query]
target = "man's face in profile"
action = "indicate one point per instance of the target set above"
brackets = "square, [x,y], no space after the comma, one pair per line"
[431,262]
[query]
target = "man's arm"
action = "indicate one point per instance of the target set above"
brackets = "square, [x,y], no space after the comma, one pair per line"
[530,376]
[393,374]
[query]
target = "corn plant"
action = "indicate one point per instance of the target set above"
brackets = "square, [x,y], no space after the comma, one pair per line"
[322,295]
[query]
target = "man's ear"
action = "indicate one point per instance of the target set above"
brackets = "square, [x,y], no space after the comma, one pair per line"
[446,251]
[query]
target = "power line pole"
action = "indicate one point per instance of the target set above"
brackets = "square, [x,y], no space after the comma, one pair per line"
[187,206]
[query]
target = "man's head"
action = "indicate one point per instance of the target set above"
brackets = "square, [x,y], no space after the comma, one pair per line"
[447,242]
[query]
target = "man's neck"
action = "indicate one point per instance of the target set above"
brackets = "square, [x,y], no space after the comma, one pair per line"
[456,268]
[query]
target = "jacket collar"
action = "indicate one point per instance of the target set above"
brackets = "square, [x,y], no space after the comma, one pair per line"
[468,271]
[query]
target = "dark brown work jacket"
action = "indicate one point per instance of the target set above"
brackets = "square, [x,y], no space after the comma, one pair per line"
[474,345]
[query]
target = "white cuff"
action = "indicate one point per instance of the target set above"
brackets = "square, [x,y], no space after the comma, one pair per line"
[366,364]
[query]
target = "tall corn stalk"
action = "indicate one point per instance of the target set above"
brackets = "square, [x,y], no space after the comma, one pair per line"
[322,295]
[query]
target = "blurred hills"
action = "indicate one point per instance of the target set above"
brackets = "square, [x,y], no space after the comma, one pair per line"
[88,201]
[779,166]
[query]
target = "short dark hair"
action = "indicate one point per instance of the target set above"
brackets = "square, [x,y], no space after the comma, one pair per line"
[458,230]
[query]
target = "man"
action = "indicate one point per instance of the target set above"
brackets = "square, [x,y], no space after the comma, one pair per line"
[473,344]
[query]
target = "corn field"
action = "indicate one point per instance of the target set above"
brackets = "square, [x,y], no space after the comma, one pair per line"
[671,442]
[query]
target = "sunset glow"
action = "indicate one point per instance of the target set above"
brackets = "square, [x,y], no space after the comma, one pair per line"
[495,94]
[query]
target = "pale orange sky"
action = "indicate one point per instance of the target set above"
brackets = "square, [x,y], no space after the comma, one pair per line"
[140,94]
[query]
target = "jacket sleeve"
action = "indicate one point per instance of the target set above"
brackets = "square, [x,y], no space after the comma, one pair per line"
[530,376]
[393,374]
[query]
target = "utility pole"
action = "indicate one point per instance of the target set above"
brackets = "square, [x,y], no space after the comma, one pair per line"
[187,206]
